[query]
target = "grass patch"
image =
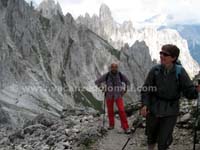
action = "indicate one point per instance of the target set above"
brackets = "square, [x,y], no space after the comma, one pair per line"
[87,99]
[88,143]
[115,52]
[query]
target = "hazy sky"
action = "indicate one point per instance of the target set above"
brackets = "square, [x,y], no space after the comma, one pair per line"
[183,11]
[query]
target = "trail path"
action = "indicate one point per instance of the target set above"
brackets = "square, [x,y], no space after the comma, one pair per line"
[115,139]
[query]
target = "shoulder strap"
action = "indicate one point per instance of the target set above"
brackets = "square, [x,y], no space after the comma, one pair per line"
[107,76]
[178,71]
[120,76]
[157,69]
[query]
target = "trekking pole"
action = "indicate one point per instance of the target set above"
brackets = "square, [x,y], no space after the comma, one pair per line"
[138,123]
[104,110]
[196,120]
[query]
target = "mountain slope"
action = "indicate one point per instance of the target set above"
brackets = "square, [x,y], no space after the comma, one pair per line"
[50,63]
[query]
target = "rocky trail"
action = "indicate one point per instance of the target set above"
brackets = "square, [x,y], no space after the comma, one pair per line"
[115,139]
[80,130]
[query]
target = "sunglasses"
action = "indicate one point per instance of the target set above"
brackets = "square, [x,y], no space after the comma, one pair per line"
[164,54]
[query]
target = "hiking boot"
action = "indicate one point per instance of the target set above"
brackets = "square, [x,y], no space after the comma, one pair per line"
[127,131]
[110,128]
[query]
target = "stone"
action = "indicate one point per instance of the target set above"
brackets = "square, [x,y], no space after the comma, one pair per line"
[185,118]
[16,135]
[44,120]
[31,129]
[51,140]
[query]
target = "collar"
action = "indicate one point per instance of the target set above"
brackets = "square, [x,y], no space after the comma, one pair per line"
[172,69]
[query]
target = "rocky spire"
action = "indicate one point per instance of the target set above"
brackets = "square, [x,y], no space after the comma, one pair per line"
[105,13]
[49,8]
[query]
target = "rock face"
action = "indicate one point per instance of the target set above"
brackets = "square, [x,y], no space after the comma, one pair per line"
[46,61]
[119,34]
[4,116]
[135,63]
[25,63]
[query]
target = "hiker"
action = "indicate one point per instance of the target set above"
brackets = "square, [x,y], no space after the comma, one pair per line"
[113,93]
[160,96]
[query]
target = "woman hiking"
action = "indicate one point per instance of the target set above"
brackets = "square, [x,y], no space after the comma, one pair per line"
[161,106]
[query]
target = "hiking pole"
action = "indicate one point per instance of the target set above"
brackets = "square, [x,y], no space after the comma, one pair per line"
[138,123]
[104,110]
[196,121]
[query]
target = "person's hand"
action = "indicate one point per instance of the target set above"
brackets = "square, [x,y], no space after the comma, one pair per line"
[123,92]
[102,88]
[144,111]
[198,88]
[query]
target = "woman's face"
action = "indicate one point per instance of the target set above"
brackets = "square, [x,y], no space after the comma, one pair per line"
[166,58]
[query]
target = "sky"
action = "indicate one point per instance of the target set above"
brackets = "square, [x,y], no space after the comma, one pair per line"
[180,11]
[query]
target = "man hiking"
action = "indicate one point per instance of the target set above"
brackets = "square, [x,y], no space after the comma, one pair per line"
[113,93]
[161,106]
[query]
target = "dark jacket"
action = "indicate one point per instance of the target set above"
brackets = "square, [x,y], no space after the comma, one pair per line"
[165,100]
[114,84]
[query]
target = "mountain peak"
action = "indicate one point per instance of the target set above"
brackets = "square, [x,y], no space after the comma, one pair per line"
[105,12]
[104,7]
[49,8]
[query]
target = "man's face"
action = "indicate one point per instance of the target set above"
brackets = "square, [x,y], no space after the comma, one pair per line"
[114,68]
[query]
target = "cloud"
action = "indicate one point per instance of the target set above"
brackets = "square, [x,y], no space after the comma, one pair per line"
[183,11]
[187,11]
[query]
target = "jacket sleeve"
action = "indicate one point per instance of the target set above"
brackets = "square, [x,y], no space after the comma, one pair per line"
[146,88]
[125,80]
[100,80]
[187,87]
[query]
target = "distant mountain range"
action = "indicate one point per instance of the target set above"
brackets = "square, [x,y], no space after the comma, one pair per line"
[150,32]
[190,32]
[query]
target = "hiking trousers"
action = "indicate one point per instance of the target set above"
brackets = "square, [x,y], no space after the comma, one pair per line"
[159,130]
[122,113]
